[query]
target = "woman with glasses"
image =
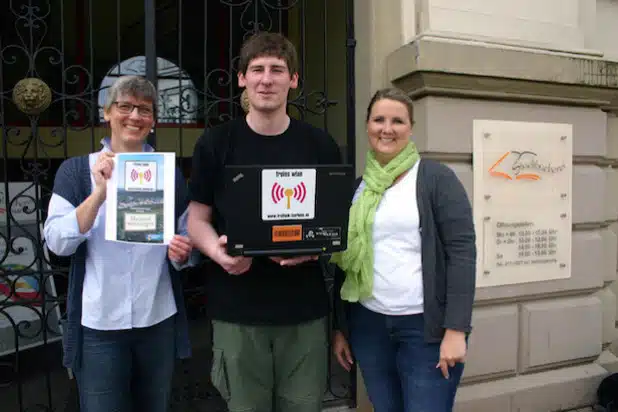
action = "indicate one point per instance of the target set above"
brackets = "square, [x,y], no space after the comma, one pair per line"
[125,322]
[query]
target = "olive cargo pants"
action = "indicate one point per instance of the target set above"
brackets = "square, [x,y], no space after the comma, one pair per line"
[270,368]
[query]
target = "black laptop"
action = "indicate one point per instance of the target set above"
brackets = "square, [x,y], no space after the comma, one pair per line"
[287,210]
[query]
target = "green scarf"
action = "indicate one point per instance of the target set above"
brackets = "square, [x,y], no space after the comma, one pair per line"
[357,260]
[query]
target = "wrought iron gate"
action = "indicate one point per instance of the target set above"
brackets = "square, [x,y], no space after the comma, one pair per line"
[57,59]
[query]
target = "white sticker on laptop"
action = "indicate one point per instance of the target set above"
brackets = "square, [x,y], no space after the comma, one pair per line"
[288,194]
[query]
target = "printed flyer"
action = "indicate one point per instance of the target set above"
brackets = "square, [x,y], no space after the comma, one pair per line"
[140,198]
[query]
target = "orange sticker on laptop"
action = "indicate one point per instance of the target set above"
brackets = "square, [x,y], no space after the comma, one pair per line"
[288,233]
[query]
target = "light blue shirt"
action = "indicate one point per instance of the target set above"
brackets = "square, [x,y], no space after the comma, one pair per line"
[126,285]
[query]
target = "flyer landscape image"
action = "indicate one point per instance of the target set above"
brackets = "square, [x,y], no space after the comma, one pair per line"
[141,204]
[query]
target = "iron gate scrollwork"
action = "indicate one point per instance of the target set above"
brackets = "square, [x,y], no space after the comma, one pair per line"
[57,59]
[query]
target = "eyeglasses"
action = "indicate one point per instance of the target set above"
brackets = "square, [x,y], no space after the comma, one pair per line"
[127,108]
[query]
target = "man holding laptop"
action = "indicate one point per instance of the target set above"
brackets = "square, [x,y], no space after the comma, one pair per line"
[269,308]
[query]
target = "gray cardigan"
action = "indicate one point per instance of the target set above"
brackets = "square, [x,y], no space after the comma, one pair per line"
[448,253]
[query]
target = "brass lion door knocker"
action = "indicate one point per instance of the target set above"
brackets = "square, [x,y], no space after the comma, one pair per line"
[32,96]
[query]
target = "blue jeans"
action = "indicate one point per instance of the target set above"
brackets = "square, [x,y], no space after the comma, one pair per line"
[127,370]
[398,366]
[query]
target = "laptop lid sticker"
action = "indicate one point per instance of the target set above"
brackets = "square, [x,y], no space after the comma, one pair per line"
[287,233]
[288,194]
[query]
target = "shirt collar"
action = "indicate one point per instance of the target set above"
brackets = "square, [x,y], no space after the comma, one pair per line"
[106,143]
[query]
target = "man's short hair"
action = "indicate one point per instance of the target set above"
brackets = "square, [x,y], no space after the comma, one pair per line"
[266,44]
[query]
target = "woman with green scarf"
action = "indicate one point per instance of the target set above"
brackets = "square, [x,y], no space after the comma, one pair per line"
[407,278]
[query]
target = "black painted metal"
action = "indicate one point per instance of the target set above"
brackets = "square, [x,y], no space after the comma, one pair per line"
[351,125]
[350,77]
[73,46]
[150,40]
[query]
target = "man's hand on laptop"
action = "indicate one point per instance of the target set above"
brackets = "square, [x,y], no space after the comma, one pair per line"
[292,261]
[234,265]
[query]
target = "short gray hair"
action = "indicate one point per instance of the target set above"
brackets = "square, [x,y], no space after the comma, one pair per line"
[134,86]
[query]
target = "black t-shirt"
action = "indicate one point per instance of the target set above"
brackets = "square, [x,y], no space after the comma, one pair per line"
[267,294]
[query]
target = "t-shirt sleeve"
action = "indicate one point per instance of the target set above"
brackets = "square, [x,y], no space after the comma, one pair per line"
[204,171]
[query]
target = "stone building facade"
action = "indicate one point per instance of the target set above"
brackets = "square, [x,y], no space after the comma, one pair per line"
[545,345]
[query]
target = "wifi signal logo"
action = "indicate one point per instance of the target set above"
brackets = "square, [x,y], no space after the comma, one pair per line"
[147,175]
[299,193]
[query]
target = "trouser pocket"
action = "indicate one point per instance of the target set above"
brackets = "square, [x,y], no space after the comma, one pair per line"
[301,358]
[218,374]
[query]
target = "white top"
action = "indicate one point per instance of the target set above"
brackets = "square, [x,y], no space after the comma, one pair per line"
[397,267]
[126,286]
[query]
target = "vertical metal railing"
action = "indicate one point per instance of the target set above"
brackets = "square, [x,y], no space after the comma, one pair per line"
[150,49]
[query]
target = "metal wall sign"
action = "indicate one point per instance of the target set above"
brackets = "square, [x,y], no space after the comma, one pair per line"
[57,61]
[522,201]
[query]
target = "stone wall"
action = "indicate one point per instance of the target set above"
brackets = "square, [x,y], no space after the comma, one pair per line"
[544,345]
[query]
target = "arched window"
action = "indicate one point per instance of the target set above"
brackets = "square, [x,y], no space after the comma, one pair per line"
[177,101]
